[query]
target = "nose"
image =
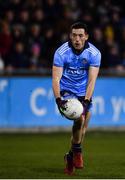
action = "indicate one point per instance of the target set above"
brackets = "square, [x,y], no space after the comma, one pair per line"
[77,38]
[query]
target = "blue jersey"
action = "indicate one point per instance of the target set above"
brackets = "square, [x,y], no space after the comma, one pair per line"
[75,67]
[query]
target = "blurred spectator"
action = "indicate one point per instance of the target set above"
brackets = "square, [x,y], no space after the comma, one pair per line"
[122,39]
[41,26]
[87,17]
[109,32]
[35,35]
[24,19]
[38,17]
[51,10]
[14,5]
[35,57]
[18,33]
[9,16]
[97,38]
[6,41]
[1,64]
[113,58]
[50,43]
[18,58]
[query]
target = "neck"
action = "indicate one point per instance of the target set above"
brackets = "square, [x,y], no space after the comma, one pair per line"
[77,51]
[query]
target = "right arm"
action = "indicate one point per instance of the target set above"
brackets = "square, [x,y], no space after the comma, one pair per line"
[56,76]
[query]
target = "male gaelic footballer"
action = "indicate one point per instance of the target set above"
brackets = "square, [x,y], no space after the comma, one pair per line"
[75,69]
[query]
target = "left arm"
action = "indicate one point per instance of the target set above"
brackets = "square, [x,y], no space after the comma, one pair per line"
[93,73]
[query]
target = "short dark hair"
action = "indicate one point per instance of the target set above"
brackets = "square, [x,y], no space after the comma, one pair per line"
[79,25]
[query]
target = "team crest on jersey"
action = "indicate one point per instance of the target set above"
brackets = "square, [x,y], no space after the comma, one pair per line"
[84,61]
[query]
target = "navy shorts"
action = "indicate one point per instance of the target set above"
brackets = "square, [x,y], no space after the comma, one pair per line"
[69,95]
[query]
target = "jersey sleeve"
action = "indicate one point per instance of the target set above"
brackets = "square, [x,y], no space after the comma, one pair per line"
[96,60]
[58,60]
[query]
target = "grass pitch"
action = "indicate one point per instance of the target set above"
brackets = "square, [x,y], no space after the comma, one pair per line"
[33,156]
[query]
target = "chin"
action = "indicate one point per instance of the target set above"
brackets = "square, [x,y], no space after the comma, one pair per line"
[78,49]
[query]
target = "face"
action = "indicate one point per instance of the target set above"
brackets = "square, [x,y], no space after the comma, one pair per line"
[78,38]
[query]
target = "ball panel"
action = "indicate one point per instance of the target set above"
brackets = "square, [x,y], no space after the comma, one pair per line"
[73,109]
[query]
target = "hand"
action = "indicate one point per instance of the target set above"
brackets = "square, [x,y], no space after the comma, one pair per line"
[60,103]
[85,103]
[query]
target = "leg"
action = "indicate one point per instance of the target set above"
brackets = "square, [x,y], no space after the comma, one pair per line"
[78,134]
[77,131]
[72,158]
[85,125]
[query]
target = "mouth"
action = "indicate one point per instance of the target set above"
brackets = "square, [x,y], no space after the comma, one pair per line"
[77,45]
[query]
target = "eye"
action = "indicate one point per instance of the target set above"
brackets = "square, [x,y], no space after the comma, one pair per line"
[81,35]
[74,35]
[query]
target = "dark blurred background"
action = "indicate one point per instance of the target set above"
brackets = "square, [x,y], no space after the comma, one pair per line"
[31,30]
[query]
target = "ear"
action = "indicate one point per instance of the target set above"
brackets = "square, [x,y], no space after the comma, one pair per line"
[86,37]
